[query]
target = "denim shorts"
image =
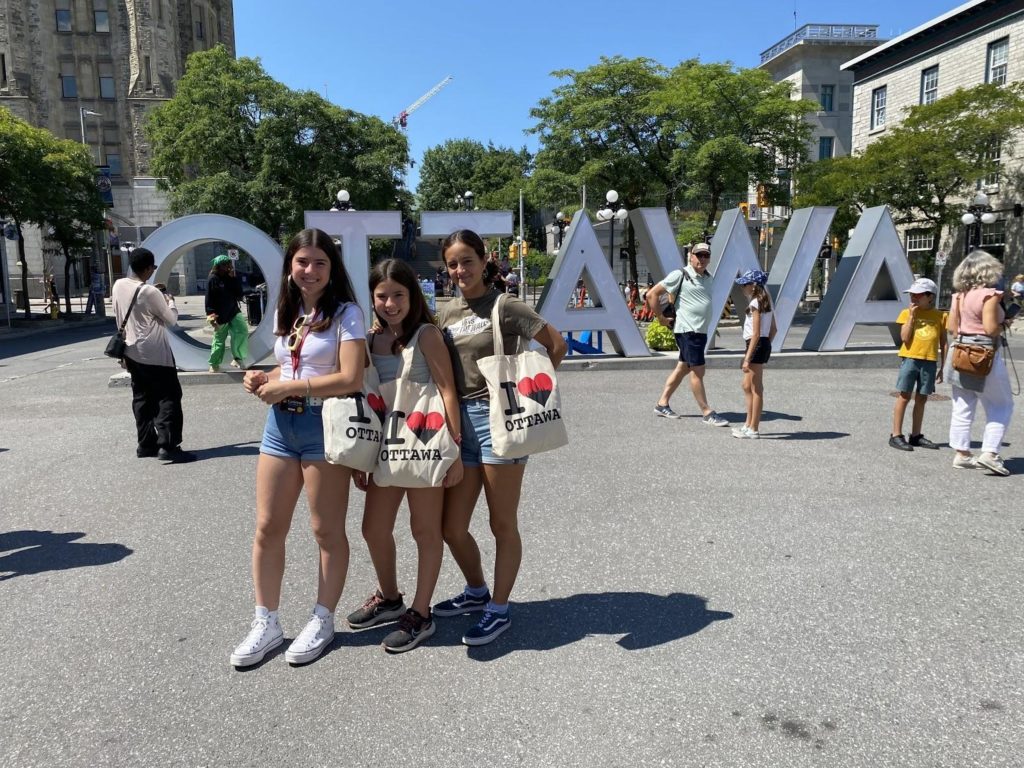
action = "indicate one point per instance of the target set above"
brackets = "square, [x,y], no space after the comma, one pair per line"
[916,374]
[691,348]
[476,435]
[294,435]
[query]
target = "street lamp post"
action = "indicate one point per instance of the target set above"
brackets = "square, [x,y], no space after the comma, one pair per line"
[558,228]
[611,211]
[82,112]
[465,200]
[978,212]
[344,201]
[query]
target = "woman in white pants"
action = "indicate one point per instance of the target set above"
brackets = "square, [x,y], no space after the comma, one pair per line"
[977,317]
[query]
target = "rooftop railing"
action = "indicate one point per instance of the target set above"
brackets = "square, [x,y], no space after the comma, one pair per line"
[823,33]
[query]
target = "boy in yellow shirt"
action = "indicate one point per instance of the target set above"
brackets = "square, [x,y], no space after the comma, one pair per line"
[923,333]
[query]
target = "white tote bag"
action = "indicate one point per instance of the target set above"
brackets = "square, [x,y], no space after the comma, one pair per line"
[417,449]
[354,424]
[525,407]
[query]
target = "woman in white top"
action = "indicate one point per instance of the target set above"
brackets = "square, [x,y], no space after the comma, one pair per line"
[758,332]
[320,351]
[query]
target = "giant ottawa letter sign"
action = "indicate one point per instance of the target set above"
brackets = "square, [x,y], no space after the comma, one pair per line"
[861,291]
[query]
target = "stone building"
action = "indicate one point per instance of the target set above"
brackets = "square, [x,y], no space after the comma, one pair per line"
[810,59]
[981,41]
[90,70]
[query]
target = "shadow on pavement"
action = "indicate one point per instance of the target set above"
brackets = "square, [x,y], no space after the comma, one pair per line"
[65,333]
[735,417]
[644,620]
[223,451]
[42,551]
[804,435]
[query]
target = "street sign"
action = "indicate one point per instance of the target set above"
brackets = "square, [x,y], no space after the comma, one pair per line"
[233,254]
[941,258]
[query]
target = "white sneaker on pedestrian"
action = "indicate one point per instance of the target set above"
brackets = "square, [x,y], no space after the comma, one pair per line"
[745,433]
[993,462]
[963,462]
[264,636]
[313,639]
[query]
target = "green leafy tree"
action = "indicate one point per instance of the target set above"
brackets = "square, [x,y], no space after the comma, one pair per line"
[601,128]
[731,127]
[493,174]
[73,209]
[21,154]
[926,167]
[235,141]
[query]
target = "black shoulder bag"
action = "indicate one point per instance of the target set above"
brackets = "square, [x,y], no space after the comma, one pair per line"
[117,345]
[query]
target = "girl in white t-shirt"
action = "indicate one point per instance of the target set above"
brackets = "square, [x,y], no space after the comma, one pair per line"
[320,351]
[758,332]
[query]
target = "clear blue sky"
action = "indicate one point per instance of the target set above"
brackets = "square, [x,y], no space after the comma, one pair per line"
[379,57]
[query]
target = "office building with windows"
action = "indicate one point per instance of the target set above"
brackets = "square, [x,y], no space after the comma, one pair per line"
[90,71]
[981,41]
[810,59]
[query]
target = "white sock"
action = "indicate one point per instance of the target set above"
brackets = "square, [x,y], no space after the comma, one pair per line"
[321,611]
[262,612]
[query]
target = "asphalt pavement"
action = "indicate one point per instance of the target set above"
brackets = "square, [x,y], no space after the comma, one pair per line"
[686,599]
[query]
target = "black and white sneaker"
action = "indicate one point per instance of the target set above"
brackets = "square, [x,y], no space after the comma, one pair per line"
[376,610]
[460,604]
[412,630]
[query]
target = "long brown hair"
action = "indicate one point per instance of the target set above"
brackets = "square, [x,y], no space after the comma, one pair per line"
[338,291]
[419,312]
[764,301]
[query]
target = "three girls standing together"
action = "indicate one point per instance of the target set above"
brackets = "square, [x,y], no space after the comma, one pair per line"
[321,351]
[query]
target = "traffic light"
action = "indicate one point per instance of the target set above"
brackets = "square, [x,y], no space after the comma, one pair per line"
[526,249]
[513,252]
[745,210]
[762,196]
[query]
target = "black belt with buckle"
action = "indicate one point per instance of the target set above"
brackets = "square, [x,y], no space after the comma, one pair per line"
[293,405]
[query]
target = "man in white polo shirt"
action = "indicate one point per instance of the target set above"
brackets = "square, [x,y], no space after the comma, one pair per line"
[691,287]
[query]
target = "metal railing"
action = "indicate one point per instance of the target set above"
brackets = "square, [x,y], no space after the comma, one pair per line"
[826,33]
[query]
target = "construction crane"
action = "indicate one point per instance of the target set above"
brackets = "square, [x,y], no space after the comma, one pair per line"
[402,120]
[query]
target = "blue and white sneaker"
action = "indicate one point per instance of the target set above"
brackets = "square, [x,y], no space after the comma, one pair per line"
[463,603]
[489,627]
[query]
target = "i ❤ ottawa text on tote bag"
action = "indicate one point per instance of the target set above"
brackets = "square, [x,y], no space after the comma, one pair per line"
[354,424]
[418,448]
[525,407]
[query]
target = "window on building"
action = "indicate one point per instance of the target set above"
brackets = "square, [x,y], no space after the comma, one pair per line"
[68,84]
[919,244]
[930,84]
[106,71]
[998,57]
[101,17]
[3,70]
[197,14]
[64,20]
[825,97]
[993,238]
[148,73]
[159,9]
[826,144]
[993,161]
[114,161]
[878,97]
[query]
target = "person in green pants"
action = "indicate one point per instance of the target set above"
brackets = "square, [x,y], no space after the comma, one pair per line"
[223,292]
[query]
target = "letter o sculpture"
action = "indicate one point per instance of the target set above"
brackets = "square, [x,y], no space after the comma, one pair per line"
[171,241]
